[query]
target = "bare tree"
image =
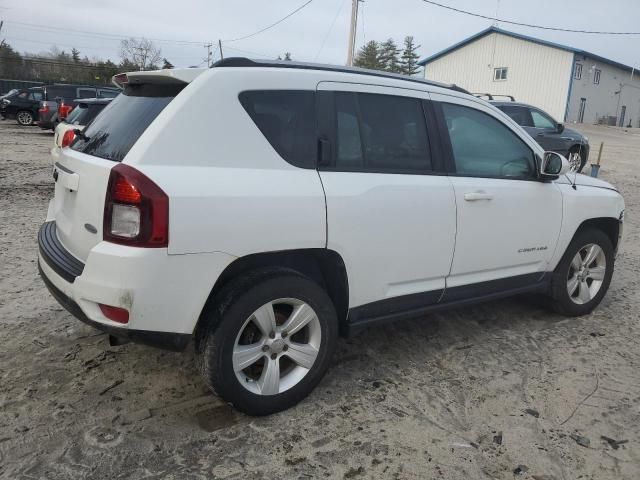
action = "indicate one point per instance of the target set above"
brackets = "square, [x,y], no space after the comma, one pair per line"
[141,52]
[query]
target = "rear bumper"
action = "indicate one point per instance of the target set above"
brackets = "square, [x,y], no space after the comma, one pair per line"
[165,340]
[164,294]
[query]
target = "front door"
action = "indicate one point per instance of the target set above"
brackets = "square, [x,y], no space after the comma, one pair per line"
[389,216]
[508,222]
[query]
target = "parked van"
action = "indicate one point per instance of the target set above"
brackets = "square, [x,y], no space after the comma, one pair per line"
[262,209]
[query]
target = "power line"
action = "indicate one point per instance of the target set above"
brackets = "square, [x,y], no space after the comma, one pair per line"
[557,29]
[272,25]
[324,40]
[85,33]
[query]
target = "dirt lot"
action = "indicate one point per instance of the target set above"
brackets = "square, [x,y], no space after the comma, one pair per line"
[495,391]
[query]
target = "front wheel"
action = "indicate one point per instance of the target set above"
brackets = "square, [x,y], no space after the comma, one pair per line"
[583,275]
[275,335]
[24,118]
[576,158]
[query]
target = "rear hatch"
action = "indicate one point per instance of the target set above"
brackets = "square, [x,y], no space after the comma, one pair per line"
[82,171]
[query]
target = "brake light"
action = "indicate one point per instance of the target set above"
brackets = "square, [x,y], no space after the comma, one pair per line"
[44,109]
[64,111]
[68,137]
[116,314]
[136,210]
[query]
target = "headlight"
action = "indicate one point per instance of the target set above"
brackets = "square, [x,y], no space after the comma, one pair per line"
[585,139]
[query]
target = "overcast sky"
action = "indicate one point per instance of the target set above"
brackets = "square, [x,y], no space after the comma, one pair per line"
[318,32]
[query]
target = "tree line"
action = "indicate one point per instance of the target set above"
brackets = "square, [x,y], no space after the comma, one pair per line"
[389,57]
[58,65]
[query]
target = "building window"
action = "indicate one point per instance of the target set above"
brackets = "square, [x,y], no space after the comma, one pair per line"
[499,74]
[577,74]
[596,76]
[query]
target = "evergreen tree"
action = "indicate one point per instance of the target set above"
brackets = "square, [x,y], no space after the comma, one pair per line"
[369,56]
[166,64]
[287,56]
[390,56]
[75,55]
[409,62]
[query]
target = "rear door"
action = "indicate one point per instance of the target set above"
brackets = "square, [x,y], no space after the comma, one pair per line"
[390,215]
[82,171]
[508,221]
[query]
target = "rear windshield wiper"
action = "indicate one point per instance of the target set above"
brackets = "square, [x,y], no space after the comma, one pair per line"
[81,135]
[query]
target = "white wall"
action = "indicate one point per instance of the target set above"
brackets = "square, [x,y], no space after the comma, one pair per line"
[601,99]
[538,74]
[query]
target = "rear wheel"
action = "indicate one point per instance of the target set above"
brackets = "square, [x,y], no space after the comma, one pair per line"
[576,158]
[275,335]
[24,118]
[583,275]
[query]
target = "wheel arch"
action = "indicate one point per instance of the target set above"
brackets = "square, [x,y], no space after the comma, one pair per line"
[323,266]
[609,225]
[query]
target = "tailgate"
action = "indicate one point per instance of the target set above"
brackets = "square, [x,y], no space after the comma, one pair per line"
[78,204]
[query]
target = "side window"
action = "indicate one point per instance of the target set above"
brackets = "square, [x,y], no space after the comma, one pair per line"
[520,115]
[500,74]
[484,147]
[23,94]
[37,96]
[287,118]
[540,120]
[381,133]
[85,93]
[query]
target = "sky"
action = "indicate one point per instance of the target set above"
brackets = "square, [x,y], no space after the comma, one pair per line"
[317,33]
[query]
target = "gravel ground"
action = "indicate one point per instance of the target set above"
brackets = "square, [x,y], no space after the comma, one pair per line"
[496,391]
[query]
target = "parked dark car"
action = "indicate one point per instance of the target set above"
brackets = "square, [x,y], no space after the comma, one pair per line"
[22,105]
[67,97]
[550,134]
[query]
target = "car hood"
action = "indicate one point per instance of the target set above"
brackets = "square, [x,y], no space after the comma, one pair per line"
[585,180]
[570,132]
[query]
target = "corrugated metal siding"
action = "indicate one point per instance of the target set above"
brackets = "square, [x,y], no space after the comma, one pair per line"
[538,74]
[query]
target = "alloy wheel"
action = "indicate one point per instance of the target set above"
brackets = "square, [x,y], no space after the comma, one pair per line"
[586,273]
[25,118]
[277,346]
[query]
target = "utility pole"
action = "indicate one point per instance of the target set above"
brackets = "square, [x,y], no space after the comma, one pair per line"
[352,31]
[208,47]
[220,46]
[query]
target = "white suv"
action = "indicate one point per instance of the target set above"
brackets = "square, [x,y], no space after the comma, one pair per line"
[263,209]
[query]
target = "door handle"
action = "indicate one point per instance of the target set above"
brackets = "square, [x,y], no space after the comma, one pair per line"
[475,196]
[541,134]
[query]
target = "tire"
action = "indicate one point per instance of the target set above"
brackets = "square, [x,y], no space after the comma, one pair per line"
[24,118]
[571,270]
[239,317]
[577,149]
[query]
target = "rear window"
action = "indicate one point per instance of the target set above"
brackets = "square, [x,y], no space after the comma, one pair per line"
[124,120]
[84,113]
[287,118]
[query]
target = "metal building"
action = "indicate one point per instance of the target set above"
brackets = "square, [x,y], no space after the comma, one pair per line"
[571,84]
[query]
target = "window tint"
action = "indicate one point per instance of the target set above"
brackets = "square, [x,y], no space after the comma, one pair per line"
[84,113]
[108,93]
[124,120]
[287,119]
[381,133]
[37,96]
[484,147]
[23,94]
[86,93]
[540,120]
[520,115]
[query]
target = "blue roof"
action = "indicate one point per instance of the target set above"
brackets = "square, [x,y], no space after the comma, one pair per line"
[527,38]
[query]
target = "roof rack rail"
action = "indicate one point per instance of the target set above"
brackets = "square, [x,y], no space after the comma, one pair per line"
[491,97]
[247,62]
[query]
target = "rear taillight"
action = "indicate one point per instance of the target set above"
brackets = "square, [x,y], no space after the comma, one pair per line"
[44,109]
[136,210]
[64,111]
[115,314]
[68,137]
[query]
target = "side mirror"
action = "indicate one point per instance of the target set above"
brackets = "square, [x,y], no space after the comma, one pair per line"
[560,128]
[553,165]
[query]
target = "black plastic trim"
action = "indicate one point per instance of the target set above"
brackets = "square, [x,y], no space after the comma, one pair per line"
[415,305]
[176,342]
[246,62]
[56,255]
